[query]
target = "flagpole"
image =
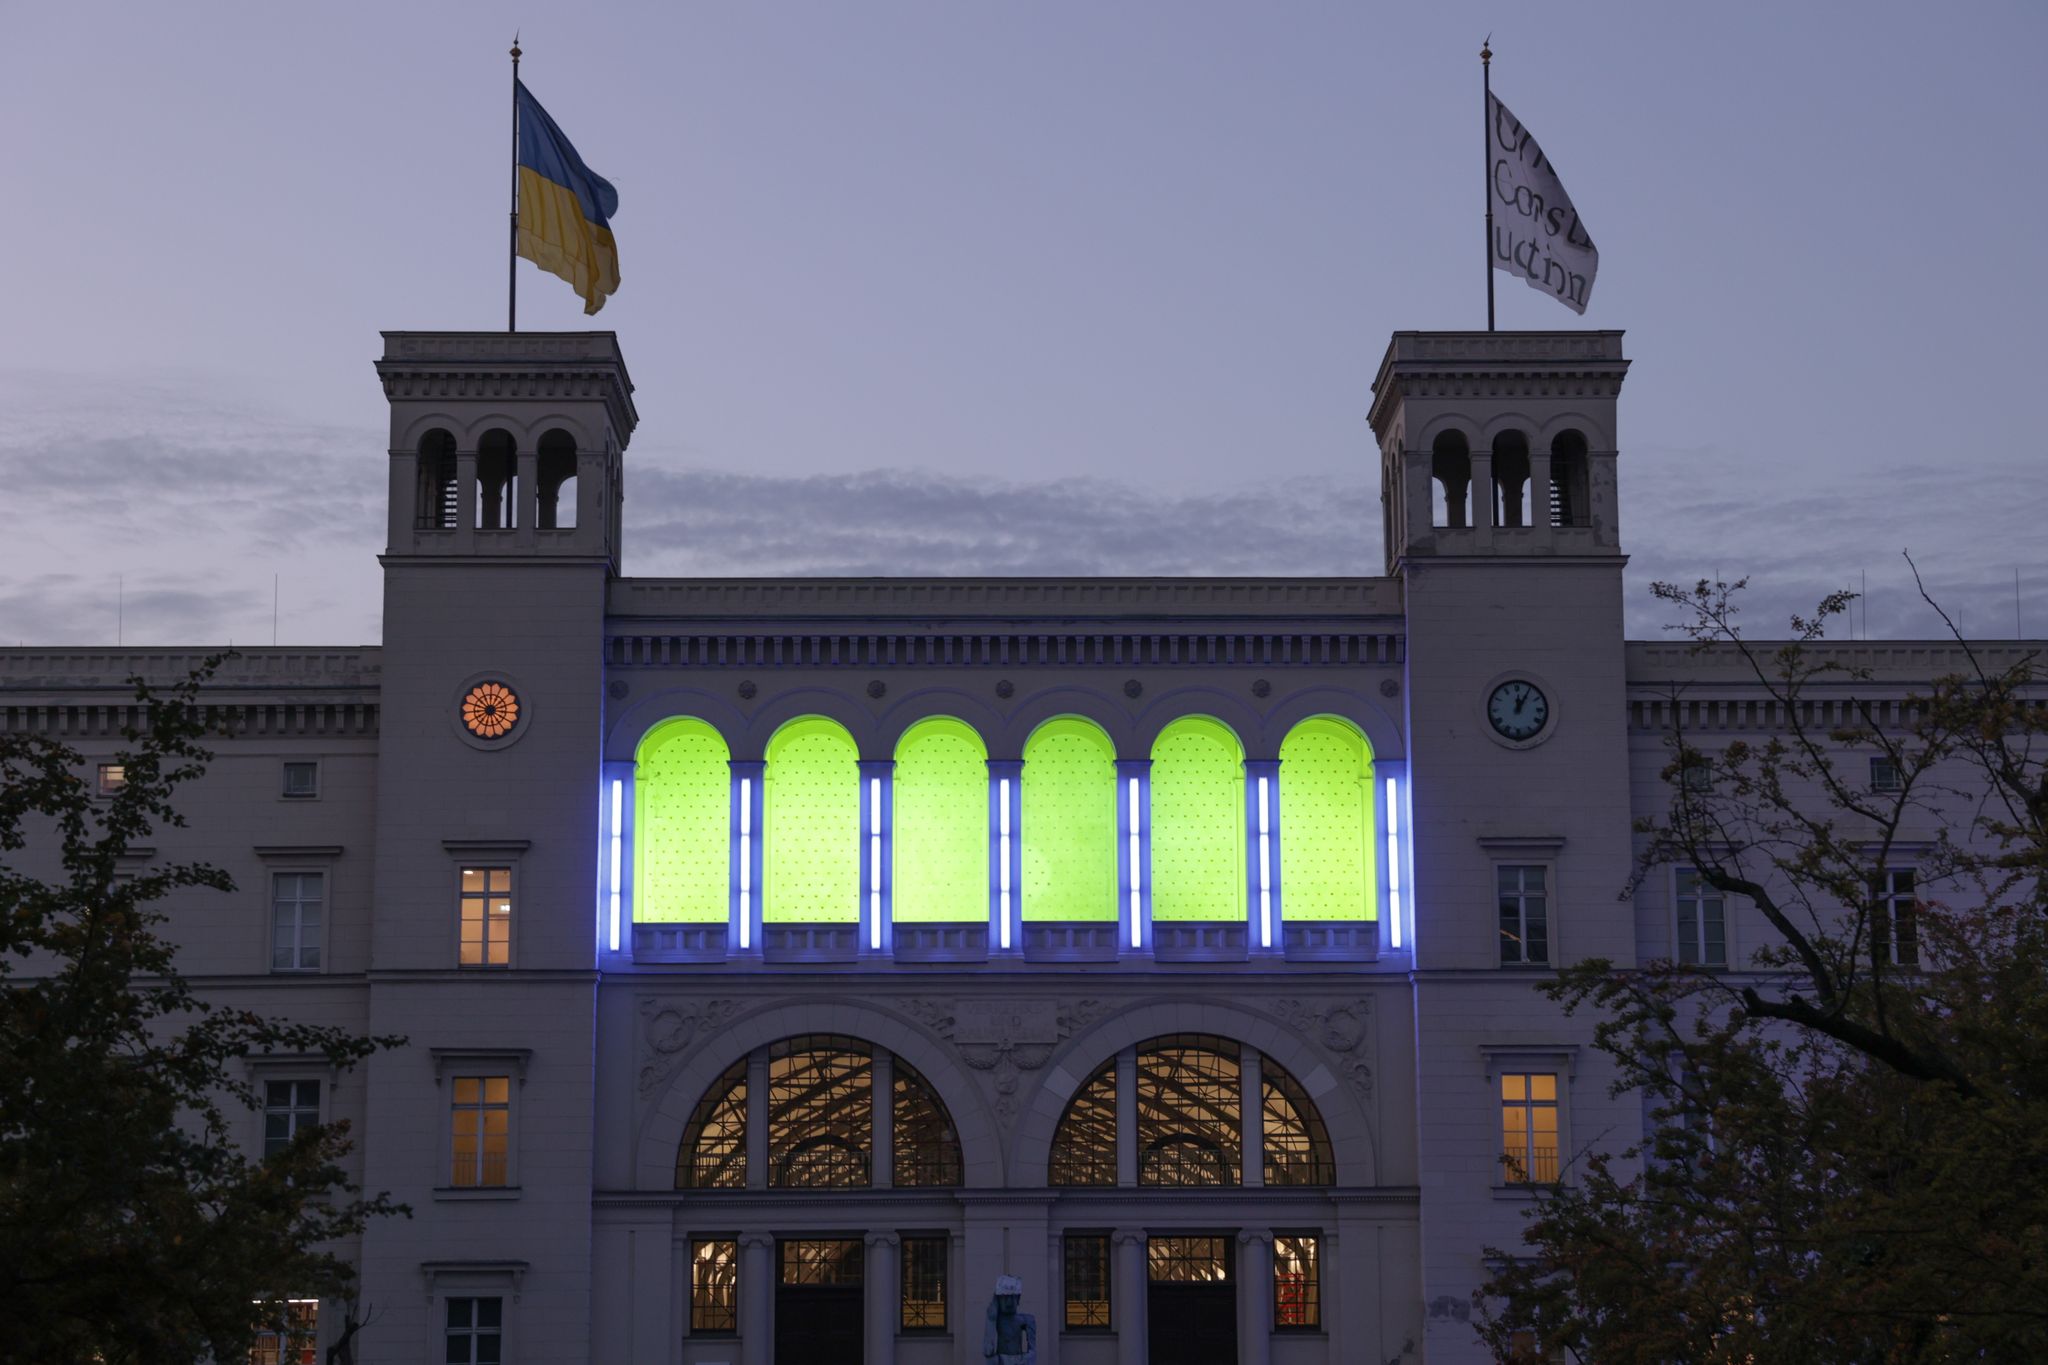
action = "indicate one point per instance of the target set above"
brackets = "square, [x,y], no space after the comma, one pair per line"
[512,260]
[1485,159]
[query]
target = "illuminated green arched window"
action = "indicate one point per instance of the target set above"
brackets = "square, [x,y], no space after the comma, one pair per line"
[810,846]
[1069,822]
[941,823]
[1326,820]
[1197,822]
[682,825]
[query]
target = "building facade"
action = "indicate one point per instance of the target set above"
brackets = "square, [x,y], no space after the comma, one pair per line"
[784,960]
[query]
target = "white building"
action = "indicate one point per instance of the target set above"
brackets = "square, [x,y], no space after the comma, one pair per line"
[1190,927]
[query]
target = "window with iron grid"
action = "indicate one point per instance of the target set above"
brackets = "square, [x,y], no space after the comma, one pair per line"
[822,1261]
[714,1285]
[1084,1258]
[1297,1282]
[924,1284]
[820,1112]
[927,1149]
[1084,1145]
[1297,1145]
[1188,1111]
[714,1151]
[1187,1260]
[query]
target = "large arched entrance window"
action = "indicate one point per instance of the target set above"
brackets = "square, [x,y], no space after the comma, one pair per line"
[682,795]
[1190,1093]
[811,826]
[1198,822]
[1326,822]
[817,1100]
[1069,822]
[940,864]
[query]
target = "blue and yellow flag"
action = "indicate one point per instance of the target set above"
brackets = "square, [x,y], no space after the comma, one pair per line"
[565,208]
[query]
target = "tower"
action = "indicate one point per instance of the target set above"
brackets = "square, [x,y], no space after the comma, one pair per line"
[505,472]
[1502,522]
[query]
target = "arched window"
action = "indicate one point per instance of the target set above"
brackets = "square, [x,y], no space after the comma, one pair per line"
[1450,469]
[940,864]
[811,838]
[1571,501]
[1189,1108]
[1197,822]
[555,482]
[1084,1146]
[1297,1145]
[439,493]
[497,482]
[682,821]
[1069,822]
[927,1149]
[1510,479]
[1326,822]
[714,1151]
[820,1108]
[1191,1094]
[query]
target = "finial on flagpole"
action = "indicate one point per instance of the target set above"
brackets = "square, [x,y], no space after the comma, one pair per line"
[1486,50]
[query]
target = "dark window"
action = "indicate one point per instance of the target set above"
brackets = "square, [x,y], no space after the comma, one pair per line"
[1297,1282]
[1085,1256]
[1084,1148]
[927,1149]
[820,1112]
[1297,1144]
[1188,1112]
[1524,913]
[714,1151]
[924,1284]
[475,1331]
[1702,922]
[1884,774]
[297,902]
[302,779]
[289,1107]
[1895,925]
[714,1285]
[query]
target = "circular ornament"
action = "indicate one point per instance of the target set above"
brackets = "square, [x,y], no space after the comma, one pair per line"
[490,710]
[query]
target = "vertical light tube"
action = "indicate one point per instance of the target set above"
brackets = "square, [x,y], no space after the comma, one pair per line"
[1393,864]
[746,862]
[1003,862]
[618,851]
[1265,867]
[1137,873]
[875,864]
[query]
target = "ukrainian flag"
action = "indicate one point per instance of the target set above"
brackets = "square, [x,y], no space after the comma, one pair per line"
[565,208]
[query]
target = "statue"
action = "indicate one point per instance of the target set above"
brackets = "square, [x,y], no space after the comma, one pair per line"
[1011,1337]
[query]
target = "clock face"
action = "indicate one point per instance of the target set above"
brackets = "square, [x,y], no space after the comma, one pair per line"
[490,710]
[1518,709]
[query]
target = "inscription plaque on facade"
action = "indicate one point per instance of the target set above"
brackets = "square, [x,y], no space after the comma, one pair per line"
[1006,1021]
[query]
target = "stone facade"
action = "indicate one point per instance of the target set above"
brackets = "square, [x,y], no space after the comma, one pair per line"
[609,1030]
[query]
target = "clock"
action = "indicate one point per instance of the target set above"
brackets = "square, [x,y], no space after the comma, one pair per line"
[1518,710]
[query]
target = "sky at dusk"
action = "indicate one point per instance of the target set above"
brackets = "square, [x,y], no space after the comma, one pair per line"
[925,286]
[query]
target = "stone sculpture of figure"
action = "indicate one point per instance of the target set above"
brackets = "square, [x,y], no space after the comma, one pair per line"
[1011,1337]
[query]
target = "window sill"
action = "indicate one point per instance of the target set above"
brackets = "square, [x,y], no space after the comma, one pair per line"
[1527,1190]
[465,1194]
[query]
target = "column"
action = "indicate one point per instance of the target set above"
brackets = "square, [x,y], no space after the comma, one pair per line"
[743,936]
[465,499]
[879,1294]
[1539,498]
[1127,1286]
[757,1298]
[1052,1310]
[877,805]
[1252,1115]
[1127,1117]
[882,1125]
[1482,498]
[757,1120]
[1134,857]
[1262,847]
[1005,856]
[1254,1296]
[525,497]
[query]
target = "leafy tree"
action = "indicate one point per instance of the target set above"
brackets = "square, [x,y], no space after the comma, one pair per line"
[1848,1150]
[131,1226]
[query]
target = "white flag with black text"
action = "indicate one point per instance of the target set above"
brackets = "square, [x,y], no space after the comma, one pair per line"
[1536,231]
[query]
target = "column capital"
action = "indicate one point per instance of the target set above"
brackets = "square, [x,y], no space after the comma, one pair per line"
[881,1240]
[759,1241]
[1126,1236]
[1254,1237]
[876,767]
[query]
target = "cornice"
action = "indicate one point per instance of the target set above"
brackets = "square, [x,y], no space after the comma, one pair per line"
[510,365]
[1015,600]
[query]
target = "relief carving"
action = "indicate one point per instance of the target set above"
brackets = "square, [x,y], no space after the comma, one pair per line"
[668,1027]
[1005,1038]
[1340,1027]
